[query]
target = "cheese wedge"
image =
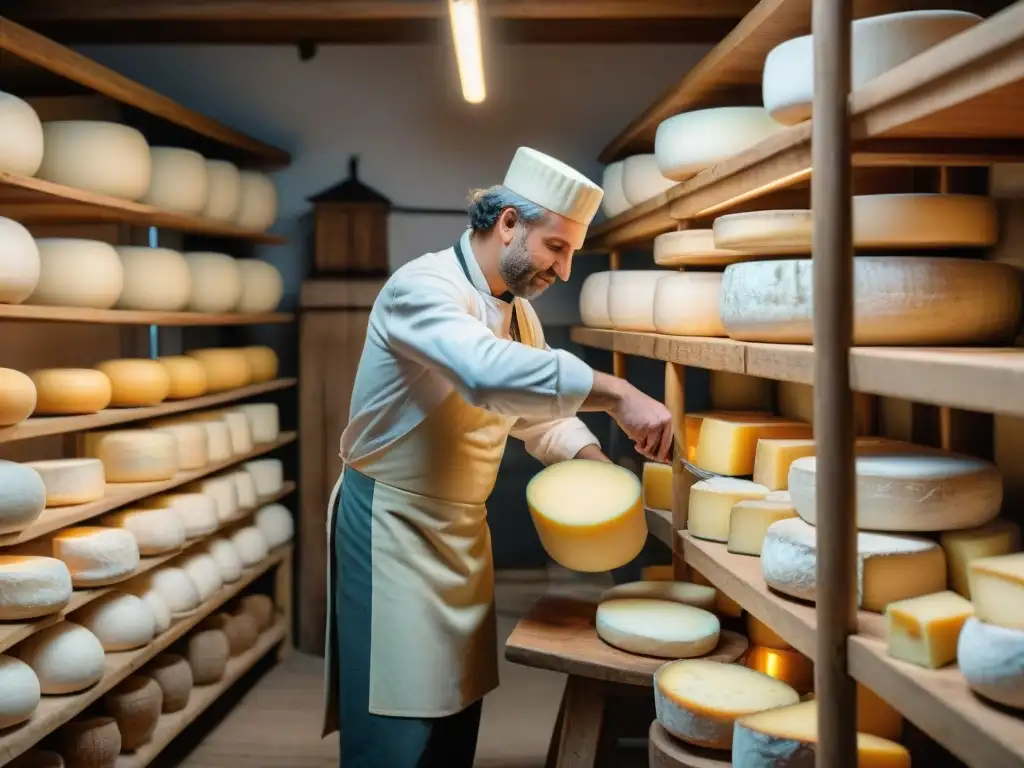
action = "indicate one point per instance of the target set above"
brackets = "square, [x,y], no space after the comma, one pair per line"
[711,502]
[999,537]
[657,479]
[924,630]
[727,445]
[749,521]
[997,590]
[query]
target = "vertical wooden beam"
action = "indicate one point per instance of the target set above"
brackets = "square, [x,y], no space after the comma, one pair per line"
[618,369]
[675,401]
[283,601]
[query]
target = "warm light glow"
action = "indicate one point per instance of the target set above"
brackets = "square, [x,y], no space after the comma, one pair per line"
[465,19]
[772,667]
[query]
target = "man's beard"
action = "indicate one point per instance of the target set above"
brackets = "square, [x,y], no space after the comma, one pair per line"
[516,269]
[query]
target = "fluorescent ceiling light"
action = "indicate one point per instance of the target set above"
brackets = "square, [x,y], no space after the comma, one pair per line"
[465,19]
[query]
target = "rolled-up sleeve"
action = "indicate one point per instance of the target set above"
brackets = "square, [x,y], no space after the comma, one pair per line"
[556,440]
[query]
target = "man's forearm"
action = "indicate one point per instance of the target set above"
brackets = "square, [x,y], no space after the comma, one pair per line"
[605,393]
[592,452]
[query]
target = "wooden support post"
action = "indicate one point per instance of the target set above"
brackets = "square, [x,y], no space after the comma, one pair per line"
[618,369]
[675,401]
[283,601]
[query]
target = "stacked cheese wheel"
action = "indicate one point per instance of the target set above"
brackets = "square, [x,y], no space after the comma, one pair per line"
[630,182]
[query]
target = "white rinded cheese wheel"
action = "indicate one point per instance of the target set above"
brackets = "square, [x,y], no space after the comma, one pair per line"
[96,156]
[991,659]
[96,556]
[198,511]
[177,589]
[71,481]
[224,491]
[18,398]
[178,181]
[642,180]
[614,201]
[878,44]
[660,628]
[594,300]
[135,704]
[227,558]
[262,363]
[223,190]
[698,701]
[204,571]
[157,605]
[22,496]
[225,368]
[589,514]
[277,524]
[267,474]
[251,545]
[692,248]
[245,489]
[120,621]
[686,304]
[66,658]
[264,421]
[31,587]
[216,282]
[262,286]
[155,279]
[134,455]
[257,207]
[688,143]
[21,141]
[697,595]
[218,440]
[239,431]
[70,391]
[631,298]
[193,451]
[74,272]
[174,676]
[187,377]
[897,301]
[156,530]
[19,255]
[135,383]
[19,686]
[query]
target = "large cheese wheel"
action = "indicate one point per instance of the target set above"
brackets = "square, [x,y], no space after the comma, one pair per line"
[207,652]
[991,659]
[135,383]
[161,611]
[65,657]
[251,545]
[216,282]
[134,455]
[631,298]
[262,363]
[198,511]
[32,586]
[156,531]
[223,190]
[684,592]
[267,474]
[19,255]
[19,688]
[18,398]
[642,180]
[155,279]
[277,524]
[96,156]
[897,301]
[193,444]
[227,558]
[120,621]
[204,571]
[74,272]
[594,300]
[68,391]
[186,376]
[22,496]
[136,705]
[178,181]
[90,742]
[257,207]
[96,556]
[174,676]
[245,489]
[225,368]
[688,143]
[589,514]
[177,589]
[262,286]
[264,421]
[686,304]
[878,43]
[71,481]
[660,628]
[614,201]
[21,142]
[692,248]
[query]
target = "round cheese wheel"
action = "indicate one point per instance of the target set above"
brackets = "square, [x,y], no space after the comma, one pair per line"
[262,286]
[65,657]
[155,279]
[136,705]
[90,742]
[697,595]
[21,145]
[614,201]
[186,375]
[31,587]
[22,496]
[267,474]
[157,605]
[225,623]
[878,43]
[692,247]
[277,524]
[17,397]
[658,628]
[262,363]
[594,300]
[193,444]
[174,676]
[96,556]
[156,531]
[264,421]
[223,190]
[216,282]
[198,511]
[19,687]
[897,301]
[19,255]
[134,455]
[686,304]
[257,207]
[74,272]
[178,181]
[687,144]
[71,481]
[224,491]
[204,571]
[177,588]
[245,489]
[260,607]
[226,556]
[251,545]
[642,180]
[135,383]
[244,631]
[239,430]
[70,391]
[207,652]
[631,298]
[225,368]
[991,659]
[120,621]
[96,156]
[589,514]
[218,439]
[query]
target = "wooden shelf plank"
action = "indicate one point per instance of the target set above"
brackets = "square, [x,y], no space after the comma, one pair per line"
[40,426]
[702,352]
[659,525]
[33,313]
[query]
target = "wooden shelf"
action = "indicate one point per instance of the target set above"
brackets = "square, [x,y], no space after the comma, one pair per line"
[41,426]
[33,313]
[659,525]
[666,751]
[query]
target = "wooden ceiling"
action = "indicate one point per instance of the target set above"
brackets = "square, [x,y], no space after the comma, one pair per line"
[374,21]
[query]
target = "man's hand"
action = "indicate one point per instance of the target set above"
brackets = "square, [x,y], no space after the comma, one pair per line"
[645,421]
[592,452]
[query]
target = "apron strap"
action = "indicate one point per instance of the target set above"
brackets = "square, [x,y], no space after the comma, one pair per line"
[507,296]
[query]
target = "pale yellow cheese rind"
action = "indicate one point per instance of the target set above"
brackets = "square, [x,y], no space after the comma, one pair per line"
[136,383]
[924,630]
[749,521]
[727,446]
[997,590]
[999,537]
[657,481]
[711,502]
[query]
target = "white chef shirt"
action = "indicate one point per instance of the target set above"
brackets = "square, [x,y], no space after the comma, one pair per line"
[432,330]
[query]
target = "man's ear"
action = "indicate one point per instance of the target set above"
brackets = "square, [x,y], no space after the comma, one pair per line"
[507,225]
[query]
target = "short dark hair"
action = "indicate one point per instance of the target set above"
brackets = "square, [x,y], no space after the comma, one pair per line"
[486,205]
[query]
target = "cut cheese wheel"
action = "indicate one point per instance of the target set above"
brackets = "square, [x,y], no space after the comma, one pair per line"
[614,201]
[89,741]
[21,146]
[135,704]
[245,489]
[711,502]
[251,545]
[692,248]
[134,455]
[136,383]
[898,300]
[739,392]
[697,595]
[32,586]
[174,676]
[878,43]
[688,143]
[155,279]
[277,524]
[216,282]
[642,180]
[660,628]
[193,444]
[239,431]
[156,531]
[96,156]
[686,304]
[69,391]
[120,621]
[262,363]
[19,254]
[223,190]
[65,657]
[262,286]
[698,701]
[178,181]
[22,496]
[223,489]
[924,630]
[909,491]
[728,443]
[749,520]
[791,667]
[889,567]
[991,659]
[797,402]
[71,481]
[589,515]
[77,273]
[177,589]
[594,300]
[763,636]
[267,474]
[197,510]
[228,561]
[19,686]
[257,207]
[999,537]
[657,482]
[631,299]
[96,556]
[997,589]
[225,368]
[204,571]
[264,421]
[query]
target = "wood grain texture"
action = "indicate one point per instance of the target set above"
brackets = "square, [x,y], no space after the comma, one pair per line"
[666,751]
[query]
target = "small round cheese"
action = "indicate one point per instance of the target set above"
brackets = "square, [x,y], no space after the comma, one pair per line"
[96,556]
[31,587]
[177,589]
[660,628]
[267,474]
[108,158]
[134,455]
[257,207]
[216,282]
[239,431]
[17,397]
[594,300]
[174,676]
[70,391]
[198,511]
[264,421]
[135,383]
[193,444]
[262,286]
[225,368]
[157,605]
[223,190]
[155,279]
[262,363]
[245,489]
[87,741]
[686,304]
[187,376]
[245,631]
[226,556]
[71,481]
[251,545]
[19,686]
[692,247]
[631,298]
[218,437]
[614,201]
[260,607]
[120,621]
[66,658]
[589,515]
[991,659]
[22,496]
[136,705]
[277,524]
[207,652]
[697,595]
[204,571]
[156,531]
[178,180]
[642,180]
[19,255]
[21,144]
[223,489]
[74,272]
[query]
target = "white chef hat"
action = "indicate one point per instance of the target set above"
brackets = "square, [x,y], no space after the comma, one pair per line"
[552,184]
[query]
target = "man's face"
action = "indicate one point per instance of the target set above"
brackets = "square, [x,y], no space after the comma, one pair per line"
[534,255]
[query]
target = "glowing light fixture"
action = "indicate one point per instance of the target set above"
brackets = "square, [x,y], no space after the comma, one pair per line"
[465,20]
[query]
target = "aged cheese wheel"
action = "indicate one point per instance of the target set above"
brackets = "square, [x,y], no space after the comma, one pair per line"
[134,455]
[594,300]
[19,255]
[239,431]
[897,301]
[692,248]
[187,377]
[75,272]
[991,659]
[207,652]
[257,208]
[631,298]
[878,44]
[198,511]
[31,587]
[262,363]
[697,595]
[226,556]
[264,421]
[193,444]
[246,631]
[614,201]
[686,304]
[178,181]
[251,545]
[135,383]
[65,657]
[156,531]
[642,180]
[218,437]
[262,286]
[245,488]
[136,705]
[120,621]
[70,481]
[225,368]
[21,144]
[223,190]
[96,156]
[19,687]
[267,474]
[22,496]
[216,282]
[177,589]
[223,489]
[90,742]
[155,279]
[260,607]
[69,391]
[204,571]
[17,397]
[688,143]
[161,611]
[660,628]
[96,556]
[174,676]
[277,524]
